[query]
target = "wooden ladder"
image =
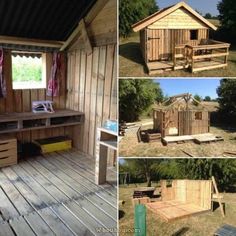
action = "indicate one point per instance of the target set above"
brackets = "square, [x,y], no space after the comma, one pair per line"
[217,196]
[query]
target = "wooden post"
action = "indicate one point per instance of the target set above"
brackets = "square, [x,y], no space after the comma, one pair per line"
[218,196]
[192,62]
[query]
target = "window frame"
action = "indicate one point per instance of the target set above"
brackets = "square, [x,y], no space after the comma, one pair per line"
[43,84]
[194,32]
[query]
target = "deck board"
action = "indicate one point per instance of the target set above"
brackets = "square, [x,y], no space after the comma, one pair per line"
[172,210]
[55,195]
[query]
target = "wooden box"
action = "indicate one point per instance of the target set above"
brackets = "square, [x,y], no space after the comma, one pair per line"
[8,152]
[54,144]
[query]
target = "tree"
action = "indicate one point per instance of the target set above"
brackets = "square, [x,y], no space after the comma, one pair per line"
[207,99]
[224,170]
[143,168]
[208,16]
[197,98]
[136,96]
[227,17]
[131,12]
[227,99]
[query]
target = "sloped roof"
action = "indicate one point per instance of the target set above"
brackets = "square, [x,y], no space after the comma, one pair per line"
[42,19]
[166,11]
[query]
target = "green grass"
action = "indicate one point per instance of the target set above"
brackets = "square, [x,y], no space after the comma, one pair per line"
[201,225]
[131,63]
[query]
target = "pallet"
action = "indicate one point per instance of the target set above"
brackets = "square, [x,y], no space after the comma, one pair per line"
[197,138]
[177,139]
[173,210]
[206,138]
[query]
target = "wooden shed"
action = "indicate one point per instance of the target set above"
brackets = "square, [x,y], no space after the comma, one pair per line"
[58,193]
[177,37]
[180,116]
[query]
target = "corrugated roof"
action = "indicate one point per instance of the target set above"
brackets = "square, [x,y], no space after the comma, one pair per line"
[42,19]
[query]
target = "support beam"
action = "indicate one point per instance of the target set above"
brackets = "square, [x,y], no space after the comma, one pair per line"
[30,42]
[80,31]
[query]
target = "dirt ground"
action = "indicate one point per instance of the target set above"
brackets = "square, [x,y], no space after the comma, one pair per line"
[131,63]
[130,147]
[204,224]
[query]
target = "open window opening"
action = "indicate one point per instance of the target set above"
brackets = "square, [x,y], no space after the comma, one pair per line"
[169,184]
[193,34]
[198,116]
[28,70]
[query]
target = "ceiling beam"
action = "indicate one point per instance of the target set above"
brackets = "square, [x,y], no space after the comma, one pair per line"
[30,42]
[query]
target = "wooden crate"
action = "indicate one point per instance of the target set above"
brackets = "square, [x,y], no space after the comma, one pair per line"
[8,152]
[54,144]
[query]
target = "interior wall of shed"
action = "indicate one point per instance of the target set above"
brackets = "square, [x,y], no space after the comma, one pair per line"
[20,100]
[92,78]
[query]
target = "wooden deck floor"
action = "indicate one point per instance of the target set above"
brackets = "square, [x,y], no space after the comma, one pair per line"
[56,195]
[172,210]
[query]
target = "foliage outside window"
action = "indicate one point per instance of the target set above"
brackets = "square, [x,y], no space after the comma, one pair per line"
[27,72]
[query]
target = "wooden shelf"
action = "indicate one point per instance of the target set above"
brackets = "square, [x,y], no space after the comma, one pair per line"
[105,139]
[17,122]
[110,144]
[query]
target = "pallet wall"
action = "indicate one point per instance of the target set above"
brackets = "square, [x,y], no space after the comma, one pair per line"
[92,78]
[197,192]
[92,89]
[20,100]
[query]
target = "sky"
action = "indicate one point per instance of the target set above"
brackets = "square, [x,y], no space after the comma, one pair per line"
[203,87]
[203,6]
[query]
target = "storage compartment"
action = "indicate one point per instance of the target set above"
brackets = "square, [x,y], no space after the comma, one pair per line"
[34,123]
[54,144]
[65,120]
[8,152]
[8,125]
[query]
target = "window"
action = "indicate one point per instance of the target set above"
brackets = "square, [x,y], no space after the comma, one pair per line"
[193,34]
[28,71]
[198,116]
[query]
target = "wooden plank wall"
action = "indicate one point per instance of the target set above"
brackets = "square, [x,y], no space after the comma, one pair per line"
[143,42]
[179,19]
[92,79]
[198,192]
[92,89]
[20,100]
[189,125]
[161,43]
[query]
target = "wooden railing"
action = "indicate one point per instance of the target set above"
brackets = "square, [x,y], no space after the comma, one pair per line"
[202,56]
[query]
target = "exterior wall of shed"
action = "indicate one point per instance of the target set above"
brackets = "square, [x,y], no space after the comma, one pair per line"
[143,41]
[92,79]
[161,42]
[20,100]
[189,125]
[198,192]
[184,121]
